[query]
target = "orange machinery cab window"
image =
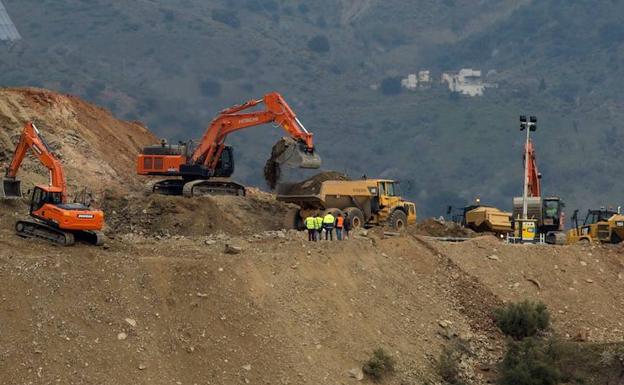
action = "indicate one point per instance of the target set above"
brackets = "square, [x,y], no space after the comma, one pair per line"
[41,197]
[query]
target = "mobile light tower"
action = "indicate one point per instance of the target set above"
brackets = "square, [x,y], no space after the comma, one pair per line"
[527,227]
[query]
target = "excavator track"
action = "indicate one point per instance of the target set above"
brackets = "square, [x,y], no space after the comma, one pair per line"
[28,229]
[169,187]
[214,186]
[95,238]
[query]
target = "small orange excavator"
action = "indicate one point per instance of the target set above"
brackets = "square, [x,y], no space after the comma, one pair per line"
[204,168]
[55,220]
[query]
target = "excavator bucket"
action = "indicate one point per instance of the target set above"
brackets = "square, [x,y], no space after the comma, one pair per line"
[294,154]
[11,189]
[290,153]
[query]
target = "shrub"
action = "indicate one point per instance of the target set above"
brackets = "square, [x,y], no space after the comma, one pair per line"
[227,17]
[521,320]
[529,362]
[319,44]
[448,363]
[391,86]
[379,365]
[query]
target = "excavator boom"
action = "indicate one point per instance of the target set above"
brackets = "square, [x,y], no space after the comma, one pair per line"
[234,119]
[534,182]
[32,140]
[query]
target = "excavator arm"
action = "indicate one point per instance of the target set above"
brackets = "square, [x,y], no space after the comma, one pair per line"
[534,182]
[276,110]
[31,140]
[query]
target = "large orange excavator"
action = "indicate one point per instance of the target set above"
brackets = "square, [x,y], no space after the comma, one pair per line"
[204,168]
[56,220]
[548,211]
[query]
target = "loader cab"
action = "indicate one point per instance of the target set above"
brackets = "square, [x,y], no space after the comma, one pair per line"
[595,216]
[42,196]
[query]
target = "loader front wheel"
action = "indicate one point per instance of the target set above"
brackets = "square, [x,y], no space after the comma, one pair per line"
[398,220]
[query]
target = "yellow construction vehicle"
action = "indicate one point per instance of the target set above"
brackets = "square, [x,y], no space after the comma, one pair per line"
[366,201]
[482,218]
[606,226]
[487,219]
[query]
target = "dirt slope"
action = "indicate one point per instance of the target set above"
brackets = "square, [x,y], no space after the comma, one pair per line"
[295,313]
[97,150]
[583,286]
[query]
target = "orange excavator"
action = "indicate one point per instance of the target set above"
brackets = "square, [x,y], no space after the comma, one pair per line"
[56,220]
[548,211]
[204,168]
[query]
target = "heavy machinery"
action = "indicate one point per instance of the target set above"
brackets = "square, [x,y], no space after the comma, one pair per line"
[482,218]
[367,201]
[547,212]
[56,220]
[204,168]
[606,226]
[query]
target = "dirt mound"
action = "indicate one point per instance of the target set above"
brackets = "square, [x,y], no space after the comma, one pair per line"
[159,215]
[436,228]
[272,169]
[97,150]
[311,186]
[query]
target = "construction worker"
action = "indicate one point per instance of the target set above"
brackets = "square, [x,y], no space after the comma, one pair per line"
[346,227]
[339,226]
[329,221]
[319,226]
[310,224]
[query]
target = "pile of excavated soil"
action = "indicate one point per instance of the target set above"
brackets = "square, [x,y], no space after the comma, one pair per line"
[311,186]
[159,215]
[435,228]
[97,150]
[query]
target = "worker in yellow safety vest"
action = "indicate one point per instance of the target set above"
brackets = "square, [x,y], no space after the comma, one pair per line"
[310,224]
[319,226]
[328,224]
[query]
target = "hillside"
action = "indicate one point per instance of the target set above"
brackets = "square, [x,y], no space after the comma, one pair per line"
[97,150]
[175,66]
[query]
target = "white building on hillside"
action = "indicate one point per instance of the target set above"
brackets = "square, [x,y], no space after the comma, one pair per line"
[410,82]
[467,81]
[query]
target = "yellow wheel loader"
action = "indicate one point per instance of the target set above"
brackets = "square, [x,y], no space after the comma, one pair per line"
[606,226]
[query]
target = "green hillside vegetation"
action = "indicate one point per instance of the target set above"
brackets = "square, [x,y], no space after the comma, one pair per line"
[175,65]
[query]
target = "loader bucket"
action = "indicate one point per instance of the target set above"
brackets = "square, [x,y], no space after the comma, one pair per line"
[293,154]
[11,189]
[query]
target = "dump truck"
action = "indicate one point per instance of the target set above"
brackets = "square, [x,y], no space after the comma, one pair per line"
[605,226]
[367,202]
[482,218]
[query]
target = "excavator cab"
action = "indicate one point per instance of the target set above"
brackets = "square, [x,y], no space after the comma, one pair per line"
[41,196]
[11,188]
